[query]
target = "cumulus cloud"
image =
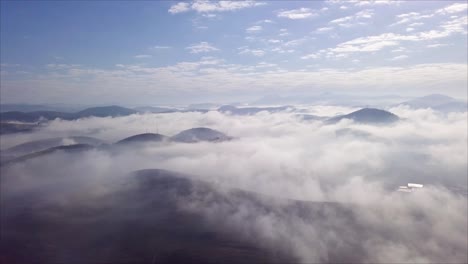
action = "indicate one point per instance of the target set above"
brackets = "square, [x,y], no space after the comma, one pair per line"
[354,168]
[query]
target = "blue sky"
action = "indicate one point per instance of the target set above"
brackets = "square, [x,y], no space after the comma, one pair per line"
[156,52]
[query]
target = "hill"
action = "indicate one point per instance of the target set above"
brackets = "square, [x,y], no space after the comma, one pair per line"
[367,115]
[39,145]
[142,138]
[199,134]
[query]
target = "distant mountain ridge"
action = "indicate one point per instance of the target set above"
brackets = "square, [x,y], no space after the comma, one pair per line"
[438,102]
[250,110]
[42,147]
[102,111]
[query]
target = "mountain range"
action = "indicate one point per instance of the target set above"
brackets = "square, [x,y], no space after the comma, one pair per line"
[42,147]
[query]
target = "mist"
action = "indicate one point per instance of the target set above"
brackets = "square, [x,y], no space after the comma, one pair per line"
[356,168]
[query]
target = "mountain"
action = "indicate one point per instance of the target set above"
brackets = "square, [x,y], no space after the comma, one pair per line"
[367,115]
[36,116]
[105,111]
[154,109]
[308,117]
[199,134]
[438,102]
[39,145]
[250,110]
[151,216]
[199,106]
[7,160]
[16,127]
[143,138]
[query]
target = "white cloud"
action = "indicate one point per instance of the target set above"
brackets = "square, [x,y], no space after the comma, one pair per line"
[400,49]
[410,17]
[265,21]
[218,78]
[283,32]
[179,8]
[311,56]
[437,45]
[209,15]
[400,57]
[360,3]
[254,29]
[272,156]
[254,52]
[300,13]
[379,42]
[143,56]
[323,29]
[417,24]
[377,2]
[157,47]
[356,19]
[212,6]
[201,47]
[453,8]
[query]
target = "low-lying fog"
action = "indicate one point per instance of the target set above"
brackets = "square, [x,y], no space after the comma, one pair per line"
[284,156]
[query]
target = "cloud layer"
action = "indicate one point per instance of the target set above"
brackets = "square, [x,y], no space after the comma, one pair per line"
[280,155]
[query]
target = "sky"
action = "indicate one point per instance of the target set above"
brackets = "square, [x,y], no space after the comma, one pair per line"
[162,52]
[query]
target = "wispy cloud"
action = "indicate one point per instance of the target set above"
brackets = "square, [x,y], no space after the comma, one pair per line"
[379,42]
[254,52]
[301,13]
[453,8]
[254,29]
[201,47]
[400,57]
[357,18]
[212,6]
[143,56]
[157,47]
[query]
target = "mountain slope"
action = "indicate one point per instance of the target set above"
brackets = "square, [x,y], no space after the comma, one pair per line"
[199,134]
[367,115]
[105,111]
[36,116]
[39,145]
[142,138]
